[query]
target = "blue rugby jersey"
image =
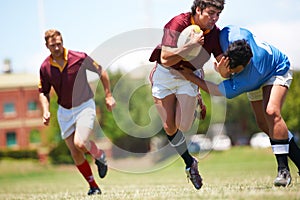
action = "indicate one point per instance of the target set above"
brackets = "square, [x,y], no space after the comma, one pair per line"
[267,61]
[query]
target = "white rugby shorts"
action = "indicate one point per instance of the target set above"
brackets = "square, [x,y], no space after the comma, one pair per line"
[164,83]
[80,116]
[284,80]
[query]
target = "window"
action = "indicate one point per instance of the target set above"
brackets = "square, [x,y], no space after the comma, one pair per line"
[11,139]
[32,106]
[9,108]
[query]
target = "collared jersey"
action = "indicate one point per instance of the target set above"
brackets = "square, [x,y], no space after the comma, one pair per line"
[267,61]
[171,34]
[69,81]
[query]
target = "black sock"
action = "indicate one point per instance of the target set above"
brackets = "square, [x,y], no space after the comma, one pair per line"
[179,143]
[282,161]
[294,153]
[280,149]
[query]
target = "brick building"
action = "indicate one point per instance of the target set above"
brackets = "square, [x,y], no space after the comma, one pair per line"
[20,113]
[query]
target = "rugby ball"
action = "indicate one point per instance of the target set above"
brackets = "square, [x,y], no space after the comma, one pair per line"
[185,37]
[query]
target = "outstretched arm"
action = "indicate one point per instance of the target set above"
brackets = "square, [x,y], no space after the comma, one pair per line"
[207,86]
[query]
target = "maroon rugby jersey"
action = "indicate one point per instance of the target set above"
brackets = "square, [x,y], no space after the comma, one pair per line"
[172,31]
[70,83]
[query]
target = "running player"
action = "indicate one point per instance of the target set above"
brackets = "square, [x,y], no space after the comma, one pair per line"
[65,71]
[175,100]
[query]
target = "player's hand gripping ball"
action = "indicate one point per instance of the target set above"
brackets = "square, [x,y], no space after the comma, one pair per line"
[185,37]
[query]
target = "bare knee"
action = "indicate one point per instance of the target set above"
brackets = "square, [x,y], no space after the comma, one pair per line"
[76,153]
[185,127]
[273,114]
[170,129]
[81,145]
[185,124]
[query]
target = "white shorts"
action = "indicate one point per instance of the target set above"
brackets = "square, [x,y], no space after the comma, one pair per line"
[284,80]
[164,83]
[83,115]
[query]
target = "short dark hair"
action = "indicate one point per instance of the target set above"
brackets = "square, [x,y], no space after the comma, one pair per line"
[202,4]
[239,53]
[51,33]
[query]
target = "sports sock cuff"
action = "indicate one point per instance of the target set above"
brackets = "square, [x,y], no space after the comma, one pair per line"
[177,139]
[290,135]
[280,148]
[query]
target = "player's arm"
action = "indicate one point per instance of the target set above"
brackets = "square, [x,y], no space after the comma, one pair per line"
[207,86]
[171,56]
[95,67]
[109,99]
[44,100]
[44,88]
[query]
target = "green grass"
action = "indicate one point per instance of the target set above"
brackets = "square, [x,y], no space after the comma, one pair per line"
[240,173]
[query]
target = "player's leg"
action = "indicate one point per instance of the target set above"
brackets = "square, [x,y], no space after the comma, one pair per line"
[185,110]
[294,151]
[84,129]
[273,98]
[166,108]
[163,92]
[77,155]
[67,120]
[83,142]
[184,119]
[164,87]
[259,113]
[255,98]
[82,165]
[258,109]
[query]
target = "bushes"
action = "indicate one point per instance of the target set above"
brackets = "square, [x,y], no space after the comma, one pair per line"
[60,154]
[19,154]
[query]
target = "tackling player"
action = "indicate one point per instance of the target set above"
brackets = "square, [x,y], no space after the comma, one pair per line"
[264,72]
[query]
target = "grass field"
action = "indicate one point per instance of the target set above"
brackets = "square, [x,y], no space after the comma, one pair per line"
[240,173]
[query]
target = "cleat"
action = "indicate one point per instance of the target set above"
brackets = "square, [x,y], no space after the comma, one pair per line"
[283,178]
[193,174]
[94,191]
[101,164]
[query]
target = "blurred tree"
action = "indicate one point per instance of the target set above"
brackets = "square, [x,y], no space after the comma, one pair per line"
[105,118]
[239,116]
[127,125]
[134,102]
[291,107]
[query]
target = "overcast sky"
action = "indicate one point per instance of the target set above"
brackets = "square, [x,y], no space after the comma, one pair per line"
[87,24]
